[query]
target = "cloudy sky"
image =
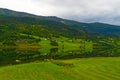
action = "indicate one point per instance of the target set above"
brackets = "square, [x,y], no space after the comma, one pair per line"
[107,11]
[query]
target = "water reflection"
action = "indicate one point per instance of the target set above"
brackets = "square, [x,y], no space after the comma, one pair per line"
[16,56]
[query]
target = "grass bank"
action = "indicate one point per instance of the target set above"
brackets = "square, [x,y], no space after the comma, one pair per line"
[76,69]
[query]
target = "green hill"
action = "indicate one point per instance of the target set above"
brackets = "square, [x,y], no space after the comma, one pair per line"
[13,24]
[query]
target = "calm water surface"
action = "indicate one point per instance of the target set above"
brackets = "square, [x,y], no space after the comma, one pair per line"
[13,56]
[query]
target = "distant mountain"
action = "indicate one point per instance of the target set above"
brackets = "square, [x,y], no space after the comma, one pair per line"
[7,12]
[96,28]
[17,26]
[22,22]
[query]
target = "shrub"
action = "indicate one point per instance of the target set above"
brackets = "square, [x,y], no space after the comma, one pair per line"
[53,43]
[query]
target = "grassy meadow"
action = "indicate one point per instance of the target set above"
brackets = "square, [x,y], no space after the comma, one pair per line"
[74,69]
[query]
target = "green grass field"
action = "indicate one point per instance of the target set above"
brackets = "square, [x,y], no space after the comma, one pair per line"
[75,69]
[63,42]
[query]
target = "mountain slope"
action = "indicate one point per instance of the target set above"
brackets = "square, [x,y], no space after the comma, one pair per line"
[13,25]
[99,28]
[20,22]
[7,12]
[95,28]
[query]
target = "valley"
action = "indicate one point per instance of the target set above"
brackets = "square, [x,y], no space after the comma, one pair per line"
[36,47]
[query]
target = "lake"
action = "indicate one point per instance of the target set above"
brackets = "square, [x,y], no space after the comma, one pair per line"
[12,56]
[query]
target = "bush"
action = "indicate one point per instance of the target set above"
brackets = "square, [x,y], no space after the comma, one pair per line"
[53,43]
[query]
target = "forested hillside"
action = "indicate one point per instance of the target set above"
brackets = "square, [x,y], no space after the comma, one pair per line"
[13,24]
